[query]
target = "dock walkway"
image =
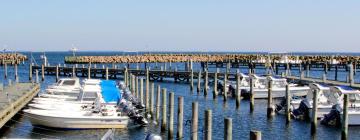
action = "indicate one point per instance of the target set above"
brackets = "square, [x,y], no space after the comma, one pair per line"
[13,98]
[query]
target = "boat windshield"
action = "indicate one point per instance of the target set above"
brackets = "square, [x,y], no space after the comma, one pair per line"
[354,98]
[68,83]
[59,82]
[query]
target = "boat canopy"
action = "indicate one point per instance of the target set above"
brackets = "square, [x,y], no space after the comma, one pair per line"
[109,91]
[319,86]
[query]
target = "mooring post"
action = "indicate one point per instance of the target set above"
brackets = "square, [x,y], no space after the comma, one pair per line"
[251,94]
[171,116]
[57,73]
[270,109]
[152,86]
[228,129]
[324,77]
[30,72]
[199,82]
[5,70]
[179,134]
[107,73]
[351,74]
[157,115]
[287,97]
[255,135]
[142,90]
[225,90]
[206,82]
[314,112]
[133,85]
[37,76]
[42,72]
[238,91]
[126,77]
[163,115]
[147,87]
[208,124]
[137,87]
[16,71]
[194,121]
[336,72]
[307,70]
[191,80]
[89,72]
[345,117]
[73,72]
[215,92]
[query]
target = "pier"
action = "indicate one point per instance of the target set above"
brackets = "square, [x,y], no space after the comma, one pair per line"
[12,58]
[14,97]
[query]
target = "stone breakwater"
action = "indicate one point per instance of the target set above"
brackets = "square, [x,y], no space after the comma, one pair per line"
[162,58]
[12,58]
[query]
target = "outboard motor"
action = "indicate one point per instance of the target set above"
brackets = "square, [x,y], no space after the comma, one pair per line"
[129,97]
[152,137]
[281,105]
[127,108]
[220,87]
[232,90]
[333,117]
[302,112]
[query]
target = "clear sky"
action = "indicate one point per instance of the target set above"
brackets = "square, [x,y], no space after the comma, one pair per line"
[181,25]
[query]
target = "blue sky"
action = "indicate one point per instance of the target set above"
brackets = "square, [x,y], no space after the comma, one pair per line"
[182,25]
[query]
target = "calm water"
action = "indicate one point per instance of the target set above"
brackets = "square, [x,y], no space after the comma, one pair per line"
[243,120]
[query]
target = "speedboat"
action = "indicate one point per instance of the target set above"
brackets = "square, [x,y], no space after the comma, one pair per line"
[278,89]
[295,101]
[334,116]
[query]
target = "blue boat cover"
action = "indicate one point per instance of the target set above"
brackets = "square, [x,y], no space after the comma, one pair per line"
[109,91]
[323,85]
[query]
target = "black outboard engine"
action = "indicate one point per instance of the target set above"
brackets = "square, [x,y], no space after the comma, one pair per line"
[232,90]
[302,112]
[220,87]
[281,105]
[127,108]
[332,118]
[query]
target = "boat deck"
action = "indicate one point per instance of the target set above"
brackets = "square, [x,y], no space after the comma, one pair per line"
[15,97]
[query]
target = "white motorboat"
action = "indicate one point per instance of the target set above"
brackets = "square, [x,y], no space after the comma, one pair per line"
[108,111]
[295,102]
[278,89]
[334,117]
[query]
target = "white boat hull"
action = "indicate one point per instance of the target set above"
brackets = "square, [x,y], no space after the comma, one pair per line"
[279,92]
[90,122]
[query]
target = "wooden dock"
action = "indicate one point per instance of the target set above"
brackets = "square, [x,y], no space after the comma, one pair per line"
[13,98]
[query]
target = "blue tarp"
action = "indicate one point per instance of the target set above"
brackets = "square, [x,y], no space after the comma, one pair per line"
[109,91]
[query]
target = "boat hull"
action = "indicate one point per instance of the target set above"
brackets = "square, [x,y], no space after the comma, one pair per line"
[277,93]
[77,123]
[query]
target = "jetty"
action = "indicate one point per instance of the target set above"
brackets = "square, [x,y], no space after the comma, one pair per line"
[12,58]
[14,97]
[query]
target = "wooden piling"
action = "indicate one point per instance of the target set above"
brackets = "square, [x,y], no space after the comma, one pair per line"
[16,71]
[5,70]
[42,72]
[147,87]
[163,111]
[73,72]
[225,90]
[255,135]
[57,73]
[152,86]
[137,87]
[30,72]
[345,117]
[194,121]
[314,112]
[206,81]
[192,80]
[157,115]
[142,90]
[171,116]
[336,72]
[208,124]
[215,92]
[238,91]
[228,129]
[324,77]
[179,134]
[307,70]
[107,73]
[36,76]
[251,94]
[89,72]
[287,97]
[351,74]
[199,82]
[133,81]
[270,109]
